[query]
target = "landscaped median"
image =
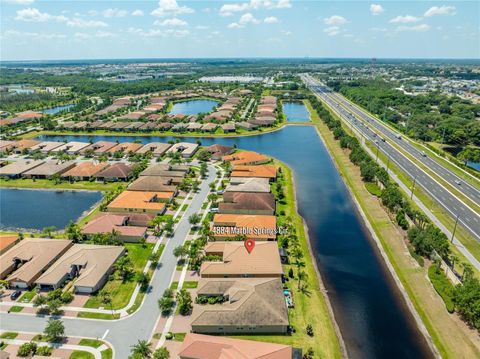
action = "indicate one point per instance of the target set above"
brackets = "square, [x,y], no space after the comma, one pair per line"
[450,335]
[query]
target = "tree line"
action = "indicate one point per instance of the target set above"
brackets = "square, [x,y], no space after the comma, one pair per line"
[426,239]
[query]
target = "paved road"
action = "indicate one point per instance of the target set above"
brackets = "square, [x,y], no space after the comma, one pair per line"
[467,217]
[125,332]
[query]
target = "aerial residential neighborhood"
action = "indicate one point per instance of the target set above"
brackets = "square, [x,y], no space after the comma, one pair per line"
[248,179]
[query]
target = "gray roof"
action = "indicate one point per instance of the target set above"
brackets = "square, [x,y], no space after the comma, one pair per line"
[50,168]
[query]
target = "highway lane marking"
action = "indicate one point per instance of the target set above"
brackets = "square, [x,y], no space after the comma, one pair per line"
[105,334]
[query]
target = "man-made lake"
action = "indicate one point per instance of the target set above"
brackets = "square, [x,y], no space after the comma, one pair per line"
[57,109]
[474,165]
[296,112]
[193,107]
[368,307]
[37,209]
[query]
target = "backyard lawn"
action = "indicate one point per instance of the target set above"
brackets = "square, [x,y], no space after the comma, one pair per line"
[121,291]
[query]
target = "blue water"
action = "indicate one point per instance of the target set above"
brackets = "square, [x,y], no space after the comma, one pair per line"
[193,107]
[474,165]
[57,109]
[296,112]
[369,310]
[37,209]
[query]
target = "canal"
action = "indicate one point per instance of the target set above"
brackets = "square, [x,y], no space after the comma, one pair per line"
[296,111]
[37,209]
[370,311]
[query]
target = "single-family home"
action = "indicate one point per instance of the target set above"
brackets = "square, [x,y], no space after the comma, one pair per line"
[24,145]
[187,149]
[200,346]
[46,146]
[17,168]
[153,184]
[237,262]
[49,169]
[260,171]
[72,147]
[246,158]
[219,151]
[228,226]
[157,149]
[116,172]
[247,203]
[252,306]
[115,222]
[248,184]
[139,201]
[126,147]
[85,171]
[99,147]
[7,241]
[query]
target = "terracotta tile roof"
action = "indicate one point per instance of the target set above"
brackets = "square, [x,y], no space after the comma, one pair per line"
[107,222]
[152,184]
[261,171]
[117,170]
[29,114]
[264,260]
[140,200]
[248,201]
[86,169]
[6,241]
[25,144]
[253,226]
[251,302]
[126,147]
[46,146]
[246,158]
[99,147]
[218,347]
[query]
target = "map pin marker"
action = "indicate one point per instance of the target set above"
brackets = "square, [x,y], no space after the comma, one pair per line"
[249,245]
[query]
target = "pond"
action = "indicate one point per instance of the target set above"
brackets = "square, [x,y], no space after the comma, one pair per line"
[57,109]
[296,111]
[193,107]
[368,307]
[474,165]
[37,209]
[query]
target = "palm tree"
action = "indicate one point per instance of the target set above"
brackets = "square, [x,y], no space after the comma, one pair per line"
[302,276]
[194,219]
[106,298]
[157,223]
[124,266]
[142,349]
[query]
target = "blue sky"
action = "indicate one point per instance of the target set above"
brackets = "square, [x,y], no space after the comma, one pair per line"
[39,30]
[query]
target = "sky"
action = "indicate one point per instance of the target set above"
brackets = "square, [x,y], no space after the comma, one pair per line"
[77,29]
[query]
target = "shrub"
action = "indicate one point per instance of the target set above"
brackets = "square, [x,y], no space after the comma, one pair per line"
[27,349]
[44,350]
[66,297]
[442,285]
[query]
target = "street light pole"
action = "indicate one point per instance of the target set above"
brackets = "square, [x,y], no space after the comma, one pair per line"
[454,229]
[378,148]
[388,161]
[413,187]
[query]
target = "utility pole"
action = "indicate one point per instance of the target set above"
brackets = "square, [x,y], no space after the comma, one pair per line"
[454,229]
[413,187]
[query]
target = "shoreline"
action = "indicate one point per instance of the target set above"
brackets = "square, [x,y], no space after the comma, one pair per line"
[317,271]
[386,262]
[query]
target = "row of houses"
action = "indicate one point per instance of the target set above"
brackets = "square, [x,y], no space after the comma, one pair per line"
[130,213]
[50,263]
[21,117]
[250,283]
[266,114]
[157,149]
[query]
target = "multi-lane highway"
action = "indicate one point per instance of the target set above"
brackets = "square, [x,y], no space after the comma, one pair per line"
[382,136]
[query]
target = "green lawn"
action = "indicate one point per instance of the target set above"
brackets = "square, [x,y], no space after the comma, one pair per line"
[16,309]
[107,353]
[43,183]
[121,291]
[27,296]
[94,343]
[8,335]
[91,315]
[77,354]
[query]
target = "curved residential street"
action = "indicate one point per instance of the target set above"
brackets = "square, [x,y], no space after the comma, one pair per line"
[123,333]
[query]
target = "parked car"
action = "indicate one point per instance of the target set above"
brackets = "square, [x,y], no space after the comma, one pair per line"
[15,295]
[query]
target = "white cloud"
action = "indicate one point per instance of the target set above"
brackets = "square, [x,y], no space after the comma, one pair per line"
[405,19]
[234,25]
[34,15]
[270,20]
[376,9]
[137,12]
[76,22]
[170,8]
[415,28]
[440,10]
[286,32]
[230,9]
[114,13]
[104,34]
[335,20]
[201,27]
[215,33]
[177,32]
[248,18]
[19,2]
[34,35]
[332,30]
[175,22]
[82,35]
[149,33]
